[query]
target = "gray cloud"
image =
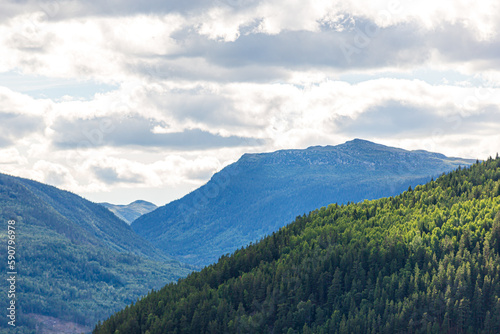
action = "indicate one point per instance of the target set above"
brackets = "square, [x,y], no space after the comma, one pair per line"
[55,178]
[127,42]
[4,142]
[394,118]
[310,49]
[15,126]
[65,9]
[458,43]
[109,175]
[359,47]
[203,174]
[391,118]
[259,57]
[263,57]
[188,66]
[11,8]
[137,131]
[196,104]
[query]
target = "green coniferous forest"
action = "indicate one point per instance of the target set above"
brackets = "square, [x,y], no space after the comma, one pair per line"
[425,261]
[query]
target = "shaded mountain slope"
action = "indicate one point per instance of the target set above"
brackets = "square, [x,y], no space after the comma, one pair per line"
[77,218]
[262,192]
[76,261]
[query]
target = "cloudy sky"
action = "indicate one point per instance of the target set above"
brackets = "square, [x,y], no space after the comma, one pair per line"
[124,100]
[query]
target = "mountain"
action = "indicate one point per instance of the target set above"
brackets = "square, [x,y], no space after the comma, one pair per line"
[262,192]
[129,213]
[76,261]
[425,261]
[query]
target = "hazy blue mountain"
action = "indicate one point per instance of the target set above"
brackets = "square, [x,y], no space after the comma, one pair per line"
[260,193]
[130,212]
[76,261]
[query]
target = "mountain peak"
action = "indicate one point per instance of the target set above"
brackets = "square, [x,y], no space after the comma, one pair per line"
[363,143]
[142,202]
[261,192]
[354,143]
[130,212]
[359,141]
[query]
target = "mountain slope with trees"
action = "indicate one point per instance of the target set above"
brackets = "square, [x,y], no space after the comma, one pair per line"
[425,261]
[262,192]
[76,261]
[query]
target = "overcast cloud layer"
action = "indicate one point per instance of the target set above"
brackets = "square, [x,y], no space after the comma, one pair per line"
[121,100]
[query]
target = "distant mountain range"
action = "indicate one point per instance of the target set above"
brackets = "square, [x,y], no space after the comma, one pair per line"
[76,261]
[130,212]
[260,193]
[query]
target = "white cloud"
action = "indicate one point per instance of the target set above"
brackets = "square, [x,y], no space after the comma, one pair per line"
[54,174]
[11,156]
[199,83]
[123,47]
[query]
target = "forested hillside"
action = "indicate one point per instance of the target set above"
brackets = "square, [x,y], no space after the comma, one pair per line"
[75,260]
[425,261]
[262,192]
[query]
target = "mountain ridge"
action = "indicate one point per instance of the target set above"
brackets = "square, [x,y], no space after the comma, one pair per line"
[56,199]
[270,189]
[77,262]
[130,212]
